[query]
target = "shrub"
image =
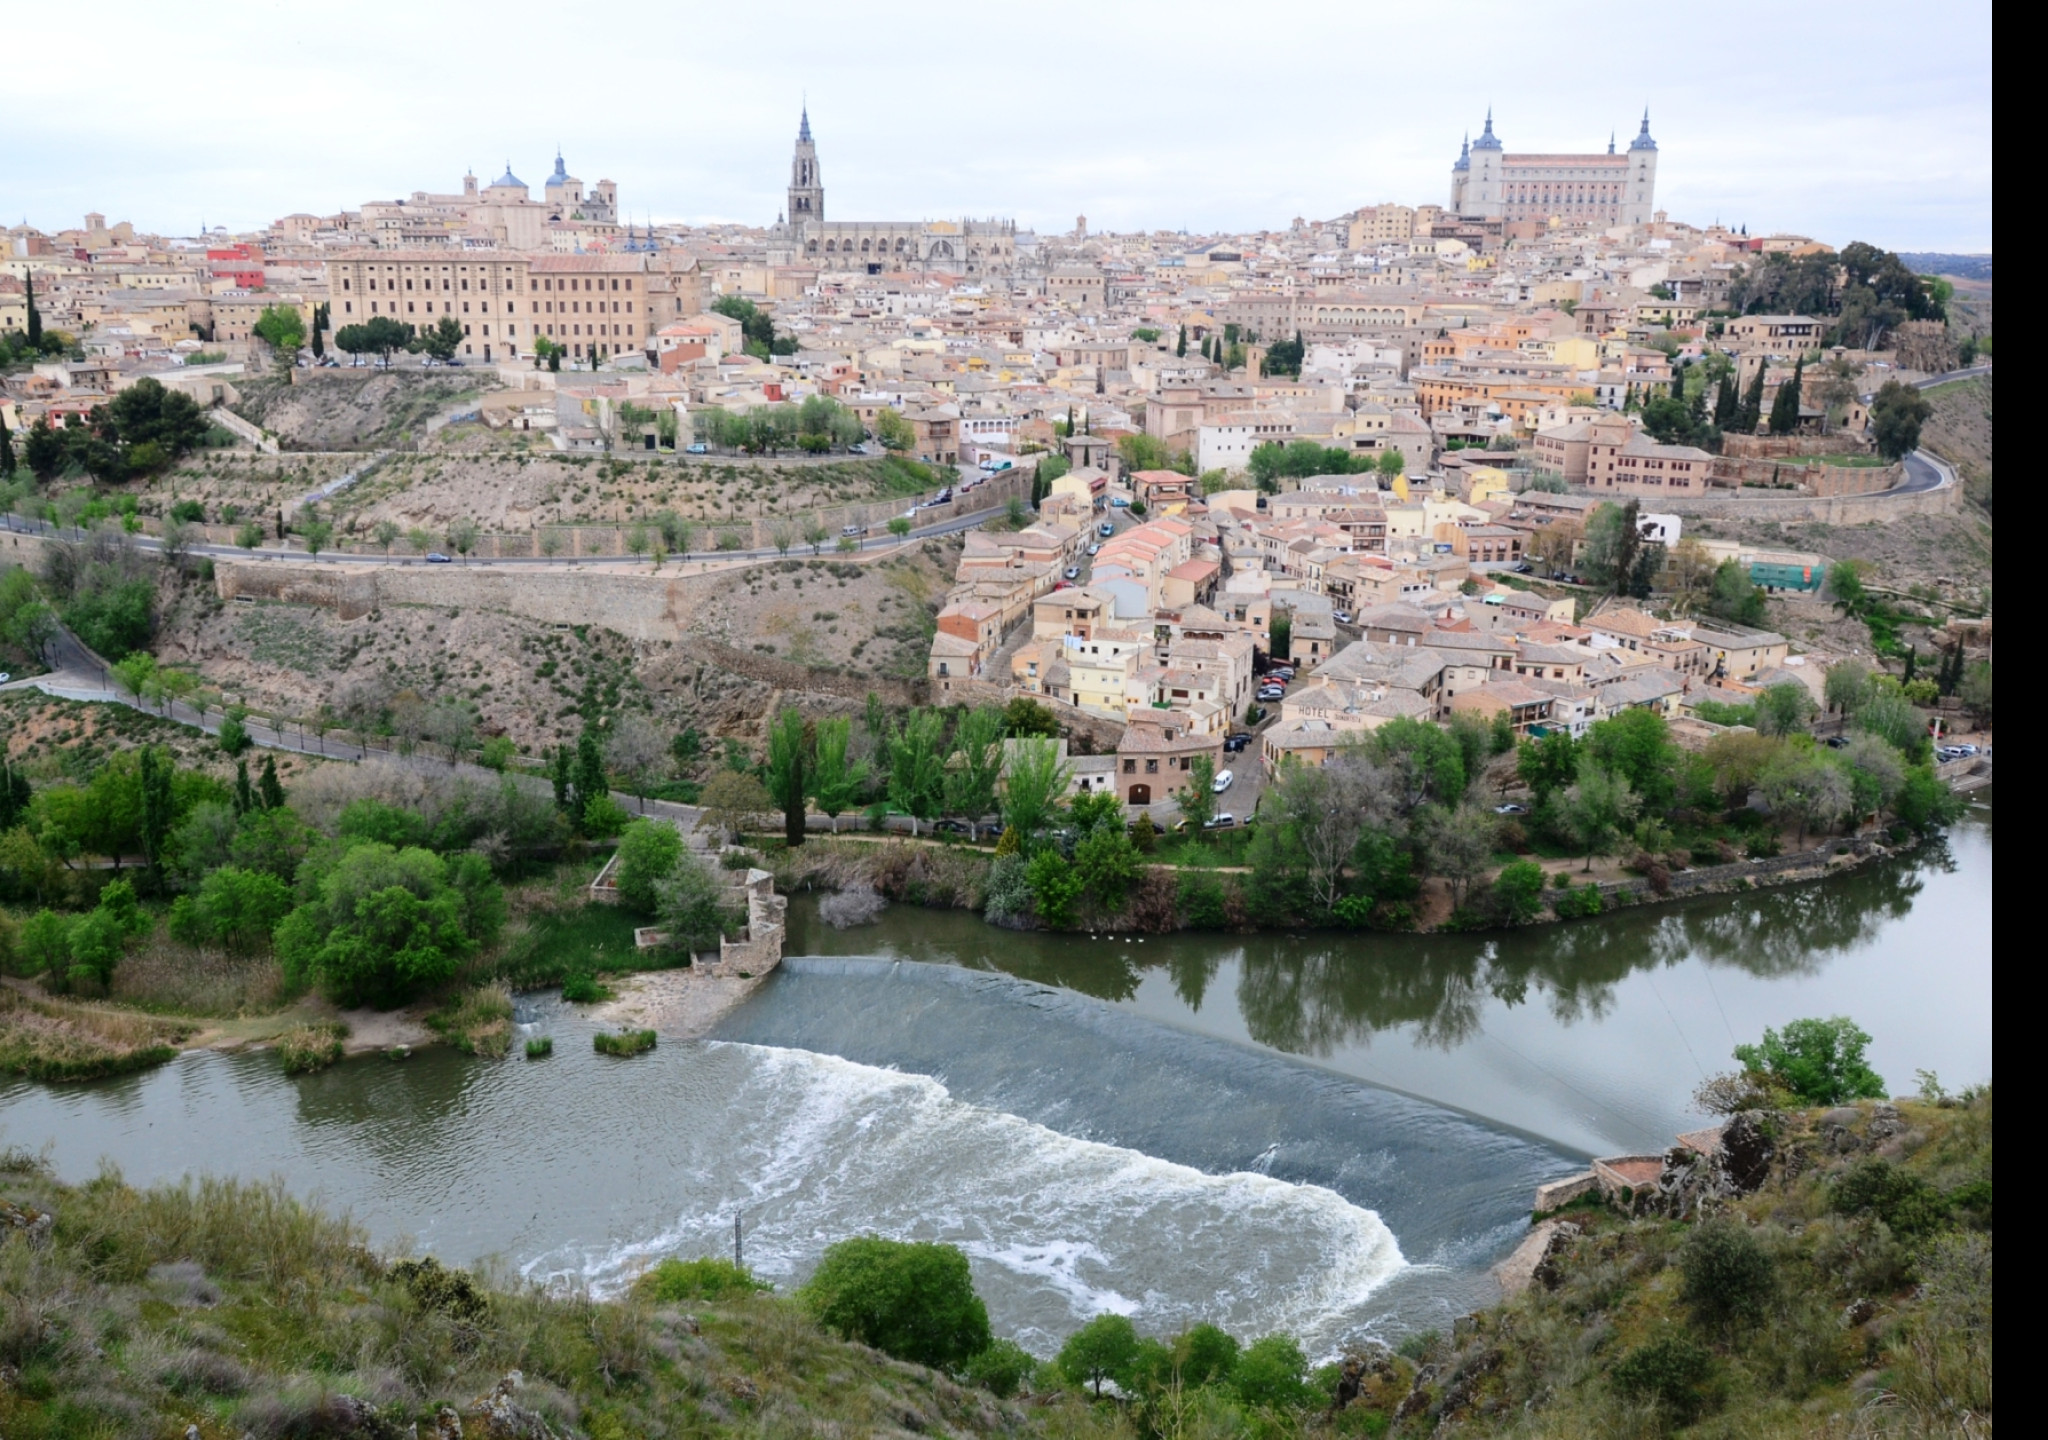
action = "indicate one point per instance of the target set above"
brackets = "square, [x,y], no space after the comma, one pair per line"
[1579,903]
[1673,1370]
[1001,1369]
[624,1043]
[673,1281]
[604,817]
[912,1300]
[479,1022]
[1906,1203]
[1819,1061]
[1007,895]
[1201,901]
[310,1047]
[1518,892]
[856,905]
[583,989]
[1562,880]
[540,1047]
[1726,1275]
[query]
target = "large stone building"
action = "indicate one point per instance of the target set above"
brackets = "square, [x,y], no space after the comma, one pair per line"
[1530,192]
[963,247]
[503,299]
[500,215]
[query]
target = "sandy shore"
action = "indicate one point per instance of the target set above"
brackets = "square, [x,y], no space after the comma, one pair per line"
[676,1004]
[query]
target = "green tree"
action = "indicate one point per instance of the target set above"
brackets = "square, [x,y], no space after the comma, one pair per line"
[1106,1348]
[1751,411]
[283,329]
[1800,785]
[440,340]
[1847,687]
[1140,451]
[1107,862]
[893,430]
[1548,764]
[917,765]
[1280,634]
[1518,892]
[1785,404]
[1034,782]
[914,1301]
[383,924]
[647,855]
[976,766]
[1726,1277]
[1392,463]
[1896,414]
[1733,597]
[690,903]
[836,779]
[788,765]
[234,908]
[1597,809]
[1890,716]
[592,783]
[1637,745]
[1198,800]
[1272,1375]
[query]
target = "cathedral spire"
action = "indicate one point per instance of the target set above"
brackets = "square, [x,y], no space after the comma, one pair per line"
[1643,140]
[803,129]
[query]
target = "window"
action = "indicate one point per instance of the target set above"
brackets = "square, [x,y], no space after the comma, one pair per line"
[1130,767]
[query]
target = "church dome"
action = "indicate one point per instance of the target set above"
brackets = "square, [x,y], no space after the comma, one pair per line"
[508,178]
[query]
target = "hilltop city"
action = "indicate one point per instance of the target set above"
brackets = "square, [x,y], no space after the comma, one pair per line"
[492,615]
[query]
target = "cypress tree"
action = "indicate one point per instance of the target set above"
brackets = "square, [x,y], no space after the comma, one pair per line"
[268,789]
[1752,403]
[35,316]
[245,798]
[1180,350]
[6,450]
[559,774]
[1785,405]
[1725,402]
[591,781]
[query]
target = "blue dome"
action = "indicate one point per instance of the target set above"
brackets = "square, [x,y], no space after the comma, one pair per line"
[508,178]
[1643,140]
[1487,139]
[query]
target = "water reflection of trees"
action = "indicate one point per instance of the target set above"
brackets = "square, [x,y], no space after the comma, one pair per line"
[1310,994]
[1311,999]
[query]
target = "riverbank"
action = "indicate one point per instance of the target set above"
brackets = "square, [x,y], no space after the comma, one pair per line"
[1179,897]
[1849,1279]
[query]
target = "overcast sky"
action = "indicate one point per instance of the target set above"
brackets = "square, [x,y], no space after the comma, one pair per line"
[1869,121]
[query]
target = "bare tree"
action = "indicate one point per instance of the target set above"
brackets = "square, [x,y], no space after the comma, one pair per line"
[636,751]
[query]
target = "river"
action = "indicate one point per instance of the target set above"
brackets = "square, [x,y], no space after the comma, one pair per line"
[1334,1136]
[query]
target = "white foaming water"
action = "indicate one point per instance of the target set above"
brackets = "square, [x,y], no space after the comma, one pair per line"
[814,1148]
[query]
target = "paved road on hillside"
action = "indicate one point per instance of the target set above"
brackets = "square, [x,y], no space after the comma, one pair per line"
[234,552]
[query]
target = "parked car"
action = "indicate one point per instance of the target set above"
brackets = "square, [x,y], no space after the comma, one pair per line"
[697,448]
[5,677]
[1282,673]
[1836,742]
[1223,820]
[1271,697]
[1511,808]
[435,557]
[1119,502]
[1223,782]
[1105,529]
[1073,572]
[1234,743]
[1094,549]
[850,530]
[943,496]
[1342,617]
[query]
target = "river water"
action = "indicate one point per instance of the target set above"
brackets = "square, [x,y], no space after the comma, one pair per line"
[1329,1136]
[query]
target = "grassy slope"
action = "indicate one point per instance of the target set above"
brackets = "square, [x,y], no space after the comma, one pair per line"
[232,1307]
